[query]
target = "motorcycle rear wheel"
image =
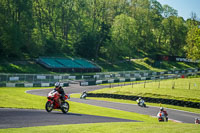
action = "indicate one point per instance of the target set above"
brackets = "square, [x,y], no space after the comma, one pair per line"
[65,107]
[49,106]
[160,119]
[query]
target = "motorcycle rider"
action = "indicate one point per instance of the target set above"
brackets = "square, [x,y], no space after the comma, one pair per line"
[84,95]
[140,101]
[163,113]
[61,91]
[197,121]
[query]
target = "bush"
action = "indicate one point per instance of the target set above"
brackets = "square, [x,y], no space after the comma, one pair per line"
[149,61]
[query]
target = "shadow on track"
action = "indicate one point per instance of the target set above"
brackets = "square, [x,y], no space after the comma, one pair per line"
[18,118]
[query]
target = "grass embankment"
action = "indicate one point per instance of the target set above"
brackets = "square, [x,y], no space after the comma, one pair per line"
[179,89]
[22,67]
[184,89]
[135,64]
[17,98]
[141,64]
[129,127]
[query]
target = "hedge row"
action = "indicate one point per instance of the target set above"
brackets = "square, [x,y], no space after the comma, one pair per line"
[148,99]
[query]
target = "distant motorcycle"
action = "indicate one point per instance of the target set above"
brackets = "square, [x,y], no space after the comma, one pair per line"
[54,102]
[83,95]
[141,103]
[162,117]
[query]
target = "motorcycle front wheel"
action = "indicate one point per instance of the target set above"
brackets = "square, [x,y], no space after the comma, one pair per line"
[49,106]
[65,107]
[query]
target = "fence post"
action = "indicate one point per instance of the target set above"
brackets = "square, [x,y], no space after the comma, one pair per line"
[33,78]
[144,83]
[159,84]
[6,77]
[189,85]
[173,86]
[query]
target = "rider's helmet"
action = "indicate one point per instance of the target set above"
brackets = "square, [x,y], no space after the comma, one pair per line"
[161,108]
[196,121]
[57,85]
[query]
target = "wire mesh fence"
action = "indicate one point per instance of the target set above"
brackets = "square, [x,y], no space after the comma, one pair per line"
[33,78]
[181,83]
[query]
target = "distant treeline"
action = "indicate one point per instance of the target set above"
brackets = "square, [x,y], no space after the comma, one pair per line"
[110,29]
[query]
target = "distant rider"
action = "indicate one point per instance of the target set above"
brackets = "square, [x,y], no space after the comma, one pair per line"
[197,121]
[140,101]
[163,113]
[84,95]
[60,90]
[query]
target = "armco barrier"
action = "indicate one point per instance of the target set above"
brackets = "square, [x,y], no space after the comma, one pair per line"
[148,99]
[32,78]
[31,84]
[87,83]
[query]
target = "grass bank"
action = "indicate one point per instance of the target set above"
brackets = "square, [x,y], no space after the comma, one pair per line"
[179,89]
[121,65]
[111,128]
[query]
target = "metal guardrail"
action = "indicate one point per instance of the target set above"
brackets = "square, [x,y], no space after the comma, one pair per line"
[115,78]
[33,78]
[52,78]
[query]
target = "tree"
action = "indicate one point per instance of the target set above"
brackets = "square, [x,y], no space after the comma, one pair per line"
[157,27]
[193,43]
[16,25]
[115,28]
[175,33]
[169,11]
[124,36]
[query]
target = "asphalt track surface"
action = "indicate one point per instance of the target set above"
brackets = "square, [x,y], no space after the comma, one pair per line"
[17,118]
[175,115]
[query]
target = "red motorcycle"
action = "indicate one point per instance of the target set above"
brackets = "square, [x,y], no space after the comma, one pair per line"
[54,102]
[162,117]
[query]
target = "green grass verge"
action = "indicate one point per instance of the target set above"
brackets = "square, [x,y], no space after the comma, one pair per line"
[179,89]
[111,128]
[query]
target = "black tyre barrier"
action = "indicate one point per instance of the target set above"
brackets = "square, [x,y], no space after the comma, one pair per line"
[19,85]
[2,84]
[65,84]
[116,80]
[36,84]
[148,99]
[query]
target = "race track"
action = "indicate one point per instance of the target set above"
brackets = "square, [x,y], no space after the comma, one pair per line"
[175,115]
[17,118]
